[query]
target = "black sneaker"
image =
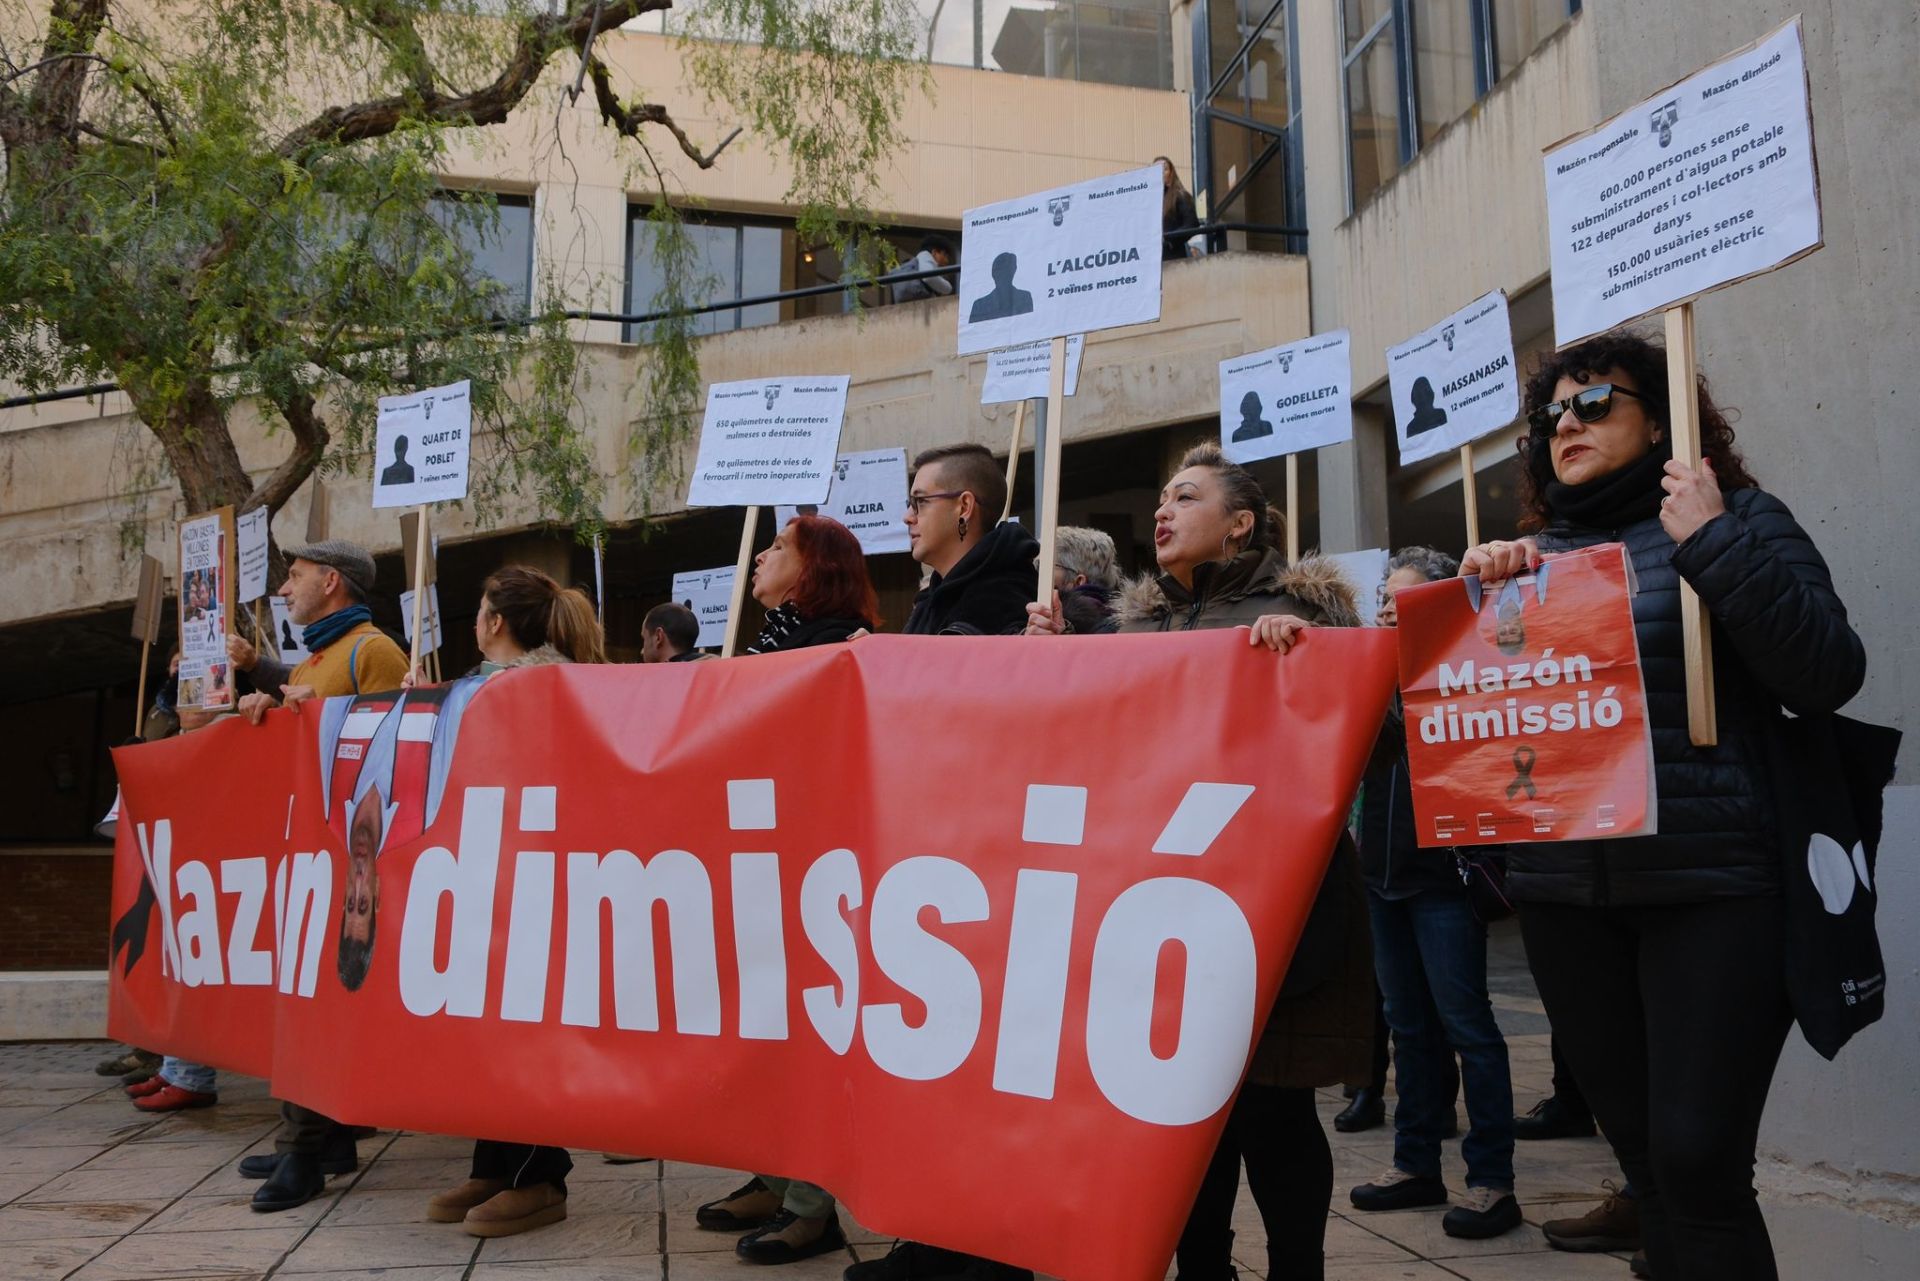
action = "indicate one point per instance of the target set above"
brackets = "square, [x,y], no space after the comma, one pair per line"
[1482,1213]
[789,1239]
[1552,1119]
[912,1261]
[1398,1190]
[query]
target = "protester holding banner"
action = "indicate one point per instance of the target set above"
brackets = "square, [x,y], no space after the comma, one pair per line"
[1660,958]
[669,633]
[1216,540]
[982,566]
[526,619]
[1430,953]
[327,588]
[813,583]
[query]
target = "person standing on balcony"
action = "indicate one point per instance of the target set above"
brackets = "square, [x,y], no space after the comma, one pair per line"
[1178,217]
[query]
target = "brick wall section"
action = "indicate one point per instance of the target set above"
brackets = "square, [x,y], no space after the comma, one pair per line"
[54,909]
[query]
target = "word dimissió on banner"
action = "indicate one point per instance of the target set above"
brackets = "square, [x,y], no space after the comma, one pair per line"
[1447,723]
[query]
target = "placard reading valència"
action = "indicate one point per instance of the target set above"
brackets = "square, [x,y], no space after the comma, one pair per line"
[1704,184]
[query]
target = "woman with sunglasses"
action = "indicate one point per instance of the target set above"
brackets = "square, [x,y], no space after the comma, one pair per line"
[1660,958]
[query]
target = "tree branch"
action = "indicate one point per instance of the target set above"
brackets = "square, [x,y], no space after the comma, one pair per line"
[310,437]
[628,121]
[72,28]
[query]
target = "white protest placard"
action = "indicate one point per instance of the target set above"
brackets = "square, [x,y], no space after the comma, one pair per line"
[430,622]
[1455,382]
[869,496]
[1366,573]
[250,536]
[709,594]
[287,634]
[1060,262]
[1021,373]
[767,441]
[205,604]
[1701,185]
[1287,399]
[421,444]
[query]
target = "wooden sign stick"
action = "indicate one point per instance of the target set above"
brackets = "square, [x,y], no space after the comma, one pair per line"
[1293,508]
[419,586]
[140,691]
[740,568]
[1470,494]
[1683,412]
[1013,454]
[146,629]
[1047,514]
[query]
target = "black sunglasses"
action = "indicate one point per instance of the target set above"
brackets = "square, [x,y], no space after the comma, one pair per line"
[1589,406]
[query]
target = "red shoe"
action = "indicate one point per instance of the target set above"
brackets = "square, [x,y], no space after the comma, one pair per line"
[152,1085]
[172,1098]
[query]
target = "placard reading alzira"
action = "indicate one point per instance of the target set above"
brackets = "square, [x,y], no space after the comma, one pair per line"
[1061,262]
[1697,187]
[1526,713]
[767,441]
[868,496]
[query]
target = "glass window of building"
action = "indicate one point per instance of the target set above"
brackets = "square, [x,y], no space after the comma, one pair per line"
[1247,122]
[1412,67]
[732,259]
[498,242]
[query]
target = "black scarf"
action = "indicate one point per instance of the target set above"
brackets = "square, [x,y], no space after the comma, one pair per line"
[1619,498]
[780,624]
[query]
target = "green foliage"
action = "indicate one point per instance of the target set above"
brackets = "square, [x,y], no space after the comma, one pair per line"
[218,201]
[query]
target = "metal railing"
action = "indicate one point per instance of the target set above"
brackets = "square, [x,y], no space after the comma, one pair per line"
[1210,229]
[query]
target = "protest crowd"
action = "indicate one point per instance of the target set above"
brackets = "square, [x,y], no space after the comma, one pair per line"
[1657,957]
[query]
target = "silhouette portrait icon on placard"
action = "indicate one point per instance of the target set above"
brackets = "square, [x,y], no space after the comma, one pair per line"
[399,471]
[1426,414]
[1252,425]
[287,642]
[1005,300]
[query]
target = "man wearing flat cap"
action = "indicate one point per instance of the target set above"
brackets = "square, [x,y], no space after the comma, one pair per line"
[327,587]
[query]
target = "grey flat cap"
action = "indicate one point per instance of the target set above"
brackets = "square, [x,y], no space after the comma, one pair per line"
[351,559]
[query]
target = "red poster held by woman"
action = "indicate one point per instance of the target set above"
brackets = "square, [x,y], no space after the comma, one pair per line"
[1526,711]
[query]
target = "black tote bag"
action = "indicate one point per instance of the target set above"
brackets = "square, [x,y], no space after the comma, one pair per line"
[1830,774]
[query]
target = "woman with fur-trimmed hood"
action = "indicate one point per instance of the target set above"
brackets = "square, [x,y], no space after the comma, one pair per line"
[1217,544]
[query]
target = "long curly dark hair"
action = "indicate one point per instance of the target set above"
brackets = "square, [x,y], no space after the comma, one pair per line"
[1645,363]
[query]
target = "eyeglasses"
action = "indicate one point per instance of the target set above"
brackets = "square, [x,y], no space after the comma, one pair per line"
[917,502]
[1589,406]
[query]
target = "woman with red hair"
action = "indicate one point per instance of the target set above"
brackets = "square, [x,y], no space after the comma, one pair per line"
[813,582]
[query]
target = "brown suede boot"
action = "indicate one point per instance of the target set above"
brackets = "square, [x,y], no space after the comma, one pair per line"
[752,1205]
[790,1238]
[452,1205]
[517,1210]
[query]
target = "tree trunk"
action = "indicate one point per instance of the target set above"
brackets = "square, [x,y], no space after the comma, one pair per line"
[193,433]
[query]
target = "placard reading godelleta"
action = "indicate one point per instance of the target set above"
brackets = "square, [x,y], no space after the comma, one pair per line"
[1287,399]
[1062,262]
[1697,187]
[1456,381]
[768,441]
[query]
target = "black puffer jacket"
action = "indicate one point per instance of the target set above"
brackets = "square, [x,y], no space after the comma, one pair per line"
[987,592]
[1390,855]
[1780,637]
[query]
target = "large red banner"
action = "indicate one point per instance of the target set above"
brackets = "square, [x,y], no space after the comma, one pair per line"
[976,933]
[1526,711]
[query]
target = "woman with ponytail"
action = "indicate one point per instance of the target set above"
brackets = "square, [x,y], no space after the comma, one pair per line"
[1216,541]
[526,619]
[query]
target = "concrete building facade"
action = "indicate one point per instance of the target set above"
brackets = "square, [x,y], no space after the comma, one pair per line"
[1398,144]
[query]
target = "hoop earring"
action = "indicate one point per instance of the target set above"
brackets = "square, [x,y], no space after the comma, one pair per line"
[963,527]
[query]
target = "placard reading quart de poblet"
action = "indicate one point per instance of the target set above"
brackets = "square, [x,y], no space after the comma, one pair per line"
[422,441]
[1697,187]
[1062,262]
[767,441]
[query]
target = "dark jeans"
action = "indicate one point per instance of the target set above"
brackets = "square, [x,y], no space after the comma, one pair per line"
[1673,1018]
[520,1164]
[1430,953]
[1290,1173]
[304,1130]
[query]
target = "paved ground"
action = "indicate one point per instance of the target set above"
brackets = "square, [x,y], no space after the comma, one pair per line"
[89,1188]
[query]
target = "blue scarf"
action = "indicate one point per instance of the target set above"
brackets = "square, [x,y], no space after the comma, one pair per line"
[317,636]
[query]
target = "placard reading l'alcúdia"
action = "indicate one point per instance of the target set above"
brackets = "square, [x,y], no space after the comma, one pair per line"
[1286,399]
[767,441]
[422,441]
[1061,262]
[1023,373]
[1456,381]
[869,497]
[709,594]
[1704,184]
